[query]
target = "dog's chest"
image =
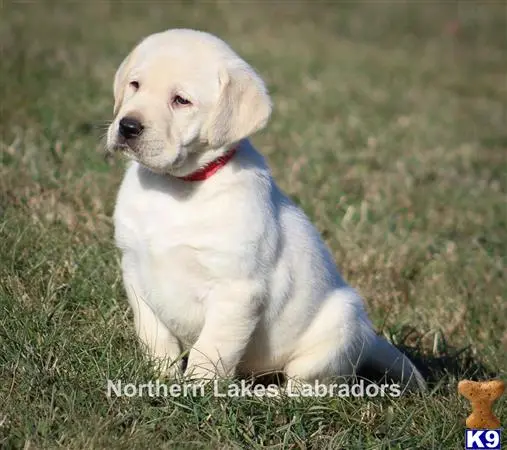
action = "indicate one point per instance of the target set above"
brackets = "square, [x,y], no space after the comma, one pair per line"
[171,249]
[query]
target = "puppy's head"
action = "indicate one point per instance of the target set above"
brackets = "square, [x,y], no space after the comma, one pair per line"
[181,98]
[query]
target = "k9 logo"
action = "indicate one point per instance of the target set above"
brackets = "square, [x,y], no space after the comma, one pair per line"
[482,439]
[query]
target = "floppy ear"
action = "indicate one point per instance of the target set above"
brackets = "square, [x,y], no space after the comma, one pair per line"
[243,108]
[120,80]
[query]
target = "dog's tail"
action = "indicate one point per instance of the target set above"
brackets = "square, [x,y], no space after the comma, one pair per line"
[387,359]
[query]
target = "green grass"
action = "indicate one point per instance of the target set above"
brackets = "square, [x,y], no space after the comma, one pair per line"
[389,130]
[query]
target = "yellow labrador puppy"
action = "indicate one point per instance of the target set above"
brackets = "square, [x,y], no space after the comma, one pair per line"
[215,258]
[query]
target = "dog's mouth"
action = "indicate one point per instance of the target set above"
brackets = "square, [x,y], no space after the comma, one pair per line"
[123,148]
[148,153]
[122,145]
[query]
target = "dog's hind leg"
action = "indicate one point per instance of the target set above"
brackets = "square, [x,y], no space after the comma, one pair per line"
[341,339]
[336,343]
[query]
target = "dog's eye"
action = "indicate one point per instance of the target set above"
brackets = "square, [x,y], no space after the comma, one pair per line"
[134,84]
[180,101]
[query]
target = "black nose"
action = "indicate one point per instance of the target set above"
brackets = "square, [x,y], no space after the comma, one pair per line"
[130,127]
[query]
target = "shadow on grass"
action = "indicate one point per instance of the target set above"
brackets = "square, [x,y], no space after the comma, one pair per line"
[442,368]
[449,366]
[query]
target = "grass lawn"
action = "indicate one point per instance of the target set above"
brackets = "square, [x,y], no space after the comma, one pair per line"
[390,130]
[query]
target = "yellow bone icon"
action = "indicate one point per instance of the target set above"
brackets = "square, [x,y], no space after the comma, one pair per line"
[482,395]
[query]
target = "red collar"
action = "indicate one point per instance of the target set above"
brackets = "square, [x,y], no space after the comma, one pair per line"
[211,168]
